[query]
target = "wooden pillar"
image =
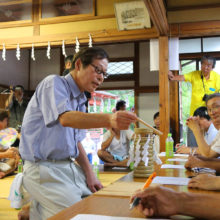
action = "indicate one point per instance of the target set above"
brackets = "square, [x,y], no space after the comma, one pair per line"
[163,91]
[174,109]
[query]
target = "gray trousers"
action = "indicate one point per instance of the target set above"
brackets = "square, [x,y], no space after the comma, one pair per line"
[191,140]
[54,185]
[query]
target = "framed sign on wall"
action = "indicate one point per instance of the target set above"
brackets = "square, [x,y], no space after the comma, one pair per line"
[132,15]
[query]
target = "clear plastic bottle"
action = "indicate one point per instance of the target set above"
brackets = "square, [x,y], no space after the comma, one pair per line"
[96,170]
[169,146]
[20,166]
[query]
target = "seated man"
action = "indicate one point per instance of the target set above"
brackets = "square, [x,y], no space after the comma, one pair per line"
[7,166]
[213,108]
[89,146]
[157,137]
[206,125]
[117,142]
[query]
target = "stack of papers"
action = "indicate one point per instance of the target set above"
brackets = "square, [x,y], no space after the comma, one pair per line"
[171,180]
[163,154]
[171,166]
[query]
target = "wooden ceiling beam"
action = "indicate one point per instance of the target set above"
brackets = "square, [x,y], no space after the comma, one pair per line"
[157,13]
[111,35]
[193,7]
[195,29]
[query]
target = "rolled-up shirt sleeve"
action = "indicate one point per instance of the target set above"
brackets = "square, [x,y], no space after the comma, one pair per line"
[53,99]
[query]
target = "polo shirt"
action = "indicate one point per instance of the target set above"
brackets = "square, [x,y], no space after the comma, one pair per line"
[215,144]
[210,134]
[198,90]
[42,136]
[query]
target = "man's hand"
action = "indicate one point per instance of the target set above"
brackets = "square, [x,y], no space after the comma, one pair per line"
[193,162]
[121,120]
[11,90]
[93,183]
[170,76]
[193,124]
[10,153]
[182,149]
[205,181]
[157,201]
[17,160]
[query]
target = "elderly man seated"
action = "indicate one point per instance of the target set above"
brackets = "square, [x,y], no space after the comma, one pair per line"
[212,151]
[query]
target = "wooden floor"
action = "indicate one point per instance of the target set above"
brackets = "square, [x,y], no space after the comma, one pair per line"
[8,213]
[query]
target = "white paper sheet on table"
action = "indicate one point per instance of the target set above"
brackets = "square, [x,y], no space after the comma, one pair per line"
[163,154]
[119,168]
[177,159]
[171,166]
[171,180]
[104,217]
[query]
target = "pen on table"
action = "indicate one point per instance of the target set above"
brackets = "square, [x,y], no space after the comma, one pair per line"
[194,152]
[147,184]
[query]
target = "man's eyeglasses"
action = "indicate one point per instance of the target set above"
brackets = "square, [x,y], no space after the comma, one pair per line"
[100,71]
[213,109]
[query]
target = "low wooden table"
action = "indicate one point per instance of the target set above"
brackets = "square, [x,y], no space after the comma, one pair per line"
[119,206]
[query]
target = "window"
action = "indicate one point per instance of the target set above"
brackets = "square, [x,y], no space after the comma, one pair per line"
[14,11]
[57,8]
[125,67]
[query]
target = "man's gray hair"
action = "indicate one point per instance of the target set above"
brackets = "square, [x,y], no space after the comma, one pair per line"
[212,96]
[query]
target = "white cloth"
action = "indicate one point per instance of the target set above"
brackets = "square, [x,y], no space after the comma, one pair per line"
[210,134]
[18,196]
[215,144]
[119,147]
[4,167]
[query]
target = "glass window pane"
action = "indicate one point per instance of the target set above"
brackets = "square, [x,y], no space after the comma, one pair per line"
[12,11]
[190,46]
[56,8]
[120,68]
[211,44]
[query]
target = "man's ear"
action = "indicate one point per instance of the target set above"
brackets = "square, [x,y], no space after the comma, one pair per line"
[78,64]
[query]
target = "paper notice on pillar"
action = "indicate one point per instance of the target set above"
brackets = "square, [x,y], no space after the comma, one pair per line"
[174,53]
[154,54]
[137,162]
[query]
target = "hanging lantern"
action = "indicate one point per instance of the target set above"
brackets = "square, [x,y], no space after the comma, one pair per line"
[94,105]
[127,101]
[109,105]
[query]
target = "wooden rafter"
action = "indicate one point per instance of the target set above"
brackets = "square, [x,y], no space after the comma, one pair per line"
[157,13]
[194,29]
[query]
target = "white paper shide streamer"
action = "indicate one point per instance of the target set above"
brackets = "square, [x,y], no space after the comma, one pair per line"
[48,50]
[32,52]
[18,53]
[90,40]
[63,49]
[77,45]
[4,53]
